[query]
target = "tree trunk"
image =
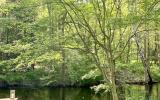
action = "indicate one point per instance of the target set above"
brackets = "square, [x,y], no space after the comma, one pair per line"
[128,51]
[157,47]
[63,53]
[145,63]
[113,80]
[112,66]
[63,68]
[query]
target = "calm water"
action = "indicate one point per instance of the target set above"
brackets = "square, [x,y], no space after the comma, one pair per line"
[130,92]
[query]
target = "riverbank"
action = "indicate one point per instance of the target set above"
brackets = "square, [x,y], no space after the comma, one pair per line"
[42,78]
[35,84]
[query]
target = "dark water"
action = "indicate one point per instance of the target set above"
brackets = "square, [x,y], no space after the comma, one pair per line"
[130,92]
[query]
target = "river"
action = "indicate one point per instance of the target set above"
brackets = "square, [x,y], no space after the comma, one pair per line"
[128,92]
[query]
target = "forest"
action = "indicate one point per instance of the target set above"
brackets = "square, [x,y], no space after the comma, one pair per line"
[102,44]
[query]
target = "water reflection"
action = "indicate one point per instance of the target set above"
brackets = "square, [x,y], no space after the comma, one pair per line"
[148,90]
[55,94]
[121,92]
[130,92]
[139,92]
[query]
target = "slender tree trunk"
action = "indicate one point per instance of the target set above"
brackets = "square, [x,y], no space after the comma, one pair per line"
[113,74]
[1,32]
[113,79]
[63,53]
[157,47]
[145,63]
[63,67]
[128,51]
[50,15]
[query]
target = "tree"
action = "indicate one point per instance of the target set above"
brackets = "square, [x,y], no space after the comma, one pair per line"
[100,34]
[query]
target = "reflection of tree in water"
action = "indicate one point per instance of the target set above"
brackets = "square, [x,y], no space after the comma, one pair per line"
[69,94]
[37,94]
[62,94]
[158,91]
[24,94]
[121,92]
[131,92]
[134,92]
[4,93]
[105,96]
[148,91]
[79,94]
[54,94]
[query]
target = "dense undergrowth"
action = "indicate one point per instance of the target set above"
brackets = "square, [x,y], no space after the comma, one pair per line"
[41,77]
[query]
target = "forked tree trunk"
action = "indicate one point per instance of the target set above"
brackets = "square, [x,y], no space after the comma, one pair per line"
[112,66]
[144,60]
[140,50]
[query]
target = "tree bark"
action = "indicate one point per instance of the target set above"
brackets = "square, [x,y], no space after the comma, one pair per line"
[145,63]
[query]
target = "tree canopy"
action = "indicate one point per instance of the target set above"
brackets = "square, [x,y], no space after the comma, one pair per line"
[80,41]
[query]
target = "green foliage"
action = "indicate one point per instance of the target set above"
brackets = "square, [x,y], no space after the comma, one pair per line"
[101,88]
[155,72]
[20,77]
[93,74]
[72,40]
[134,67]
